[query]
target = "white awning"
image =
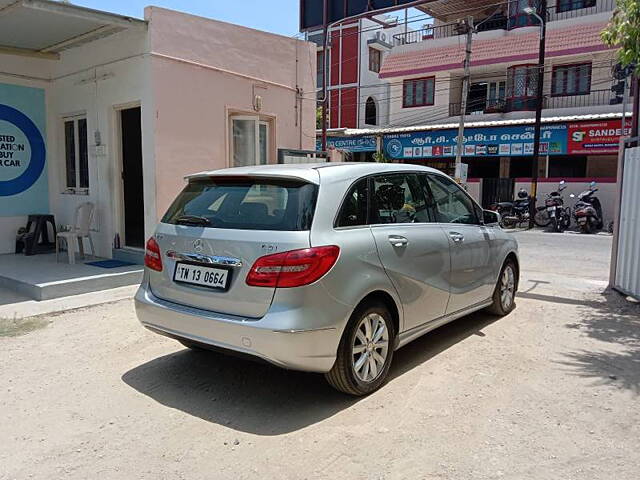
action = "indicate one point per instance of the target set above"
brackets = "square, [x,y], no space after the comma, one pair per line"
[349,132]
[44,28]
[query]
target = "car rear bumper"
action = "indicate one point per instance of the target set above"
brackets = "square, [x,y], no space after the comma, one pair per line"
[312,350]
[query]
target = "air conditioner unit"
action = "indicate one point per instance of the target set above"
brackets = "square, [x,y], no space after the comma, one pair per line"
[381,36]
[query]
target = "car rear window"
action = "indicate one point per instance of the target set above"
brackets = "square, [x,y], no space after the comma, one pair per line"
[245,204]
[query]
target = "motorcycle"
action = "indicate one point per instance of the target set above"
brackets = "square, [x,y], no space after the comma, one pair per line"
[513,213]
[588,211]
[559,215]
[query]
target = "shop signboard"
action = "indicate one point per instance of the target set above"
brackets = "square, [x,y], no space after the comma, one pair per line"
[478,142]
[23,173]
[362,143]
[595,138]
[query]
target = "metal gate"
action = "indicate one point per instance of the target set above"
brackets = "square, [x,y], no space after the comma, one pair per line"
[497,190]
[627,277]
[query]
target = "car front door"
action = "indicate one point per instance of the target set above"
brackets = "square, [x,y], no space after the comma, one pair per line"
[413,249]
[471,277]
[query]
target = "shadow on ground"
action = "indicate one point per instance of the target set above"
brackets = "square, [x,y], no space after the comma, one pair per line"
[611,319]
[264,400]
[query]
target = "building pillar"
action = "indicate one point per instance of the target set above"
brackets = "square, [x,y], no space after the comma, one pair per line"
[505,165]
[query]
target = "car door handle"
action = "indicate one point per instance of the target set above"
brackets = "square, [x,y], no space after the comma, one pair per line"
[456,237]
[398,241]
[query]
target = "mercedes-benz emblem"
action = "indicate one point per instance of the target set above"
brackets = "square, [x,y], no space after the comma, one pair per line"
[197,245]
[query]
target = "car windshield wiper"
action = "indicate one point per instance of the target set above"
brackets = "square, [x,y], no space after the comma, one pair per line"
[192,220]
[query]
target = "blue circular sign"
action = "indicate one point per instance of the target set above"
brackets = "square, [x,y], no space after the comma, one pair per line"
[38,152]
[394,148]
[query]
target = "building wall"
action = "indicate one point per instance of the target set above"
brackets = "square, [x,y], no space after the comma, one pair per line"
[223,75]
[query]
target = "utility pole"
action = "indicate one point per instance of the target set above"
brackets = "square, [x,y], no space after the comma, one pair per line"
[325,50]
[463,101]
[541,15]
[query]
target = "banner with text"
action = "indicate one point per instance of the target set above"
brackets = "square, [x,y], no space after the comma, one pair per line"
[23,174]
[493,141]
[364,143]
[596,138]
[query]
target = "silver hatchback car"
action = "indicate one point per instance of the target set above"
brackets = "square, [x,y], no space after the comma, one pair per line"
[324,268]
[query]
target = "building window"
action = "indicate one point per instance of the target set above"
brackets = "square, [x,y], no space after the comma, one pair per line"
[418,92]
[567,5]
[320,70]
[76,155]
[522,85]
[518,17]
[571,80]
[375,59]
[249,141]
[370,112]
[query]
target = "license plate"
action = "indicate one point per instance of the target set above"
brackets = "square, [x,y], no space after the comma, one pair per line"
[551,209]
[202,276]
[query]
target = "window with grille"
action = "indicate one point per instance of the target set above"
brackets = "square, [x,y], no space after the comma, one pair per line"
[375,59]
[76,155]
[571,80]
[418,92]
[567,5]
[320,70]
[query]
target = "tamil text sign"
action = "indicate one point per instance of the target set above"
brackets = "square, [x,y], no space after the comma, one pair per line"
[493,141]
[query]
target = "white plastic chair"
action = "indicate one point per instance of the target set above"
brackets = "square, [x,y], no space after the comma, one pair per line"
[82,223]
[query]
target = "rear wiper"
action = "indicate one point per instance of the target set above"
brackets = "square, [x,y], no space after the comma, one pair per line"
[192,220]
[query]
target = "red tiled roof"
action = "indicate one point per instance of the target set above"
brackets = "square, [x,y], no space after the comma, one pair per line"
[512,47]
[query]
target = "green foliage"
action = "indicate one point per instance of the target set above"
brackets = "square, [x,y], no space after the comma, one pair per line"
[319,118]
[380,158]
[623,32]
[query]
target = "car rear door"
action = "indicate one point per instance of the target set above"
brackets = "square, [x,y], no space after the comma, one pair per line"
[413,250]
[226,224]
[471,277]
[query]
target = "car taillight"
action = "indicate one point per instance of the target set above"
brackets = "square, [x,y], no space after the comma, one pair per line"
[294,268]
[152,256]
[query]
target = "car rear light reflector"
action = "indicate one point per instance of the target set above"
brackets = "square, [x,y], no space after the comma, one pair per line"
[152,256]
[294,268]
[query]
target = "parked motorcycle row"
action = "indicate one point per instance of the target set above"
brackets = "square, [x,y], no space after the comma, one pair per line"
[586,213]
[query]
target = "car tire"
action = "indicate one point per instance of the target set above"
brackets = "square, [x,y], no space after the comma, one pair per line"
[345,375]
[508,279]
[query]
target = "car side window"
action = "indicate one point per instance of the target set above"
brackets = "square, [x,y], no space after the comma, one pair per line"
[399,198]
[451,203]
[355,206]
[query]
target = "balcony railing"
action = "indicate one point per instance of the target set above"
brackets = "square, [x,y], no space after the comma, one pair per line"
[563,9]
[595,98]
[429,33]
[592,99]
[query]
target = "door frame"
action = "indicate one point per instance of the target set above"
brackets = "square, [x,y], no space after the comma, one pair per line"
[118,190]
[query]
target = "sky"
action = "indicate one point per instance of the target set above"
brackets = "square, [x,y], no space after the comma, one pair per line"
[277,16]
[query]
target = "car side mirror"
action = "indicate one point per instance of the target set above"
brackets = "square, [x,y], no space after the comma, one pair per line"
[490,218]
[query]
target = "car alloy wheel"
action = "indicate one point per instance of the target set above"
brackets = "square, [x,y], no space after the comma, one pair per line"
[507,287]
[370,348]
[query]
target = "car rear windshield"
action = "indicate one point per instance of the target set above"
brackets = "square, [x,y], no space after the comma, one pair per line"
[245,204]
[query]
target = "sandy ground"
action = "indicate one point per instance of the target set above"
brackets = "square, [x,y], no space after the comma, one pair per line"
[549,392]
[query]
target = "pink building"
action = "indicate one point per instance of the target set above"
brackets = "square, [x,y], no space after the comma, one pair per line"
[116,111]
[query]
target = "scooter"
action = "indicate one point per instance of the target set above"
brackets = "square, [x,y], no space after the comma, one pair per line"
[559,215]
[514,213]
[588,211]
